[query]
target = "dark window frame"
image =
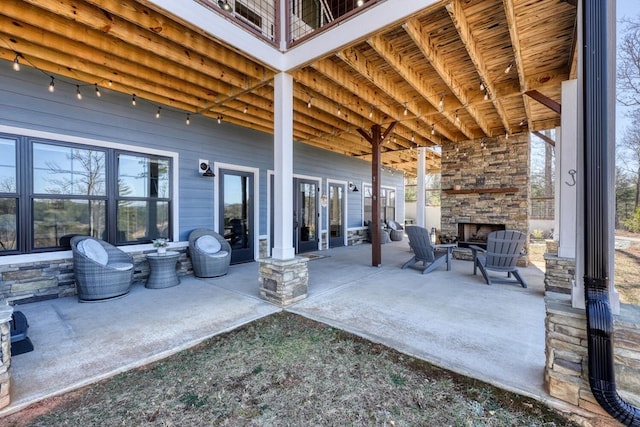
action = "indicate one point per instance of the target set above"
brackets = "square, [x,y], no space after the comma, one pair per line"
[26,196]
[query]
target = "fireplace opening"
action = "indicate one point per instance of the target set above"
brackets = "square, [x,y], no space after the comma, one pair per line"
[475,234]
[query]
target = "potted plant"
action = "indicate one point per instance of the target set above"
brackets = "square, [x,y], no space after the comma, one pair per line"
[161,244]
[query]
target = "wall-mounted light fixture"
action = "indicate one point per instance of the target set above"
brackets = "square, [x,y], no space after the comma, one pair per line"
[204,168]
[353,187]
[224,4]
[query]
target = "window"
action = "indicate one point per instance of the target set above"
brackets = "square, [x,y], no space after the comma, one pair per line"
[143,198]
[51,191]
[8,196]
[69,195]
[387,203]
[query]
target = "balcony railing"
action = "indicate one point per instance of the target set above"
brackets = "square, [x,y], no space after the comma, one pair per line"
[305,18]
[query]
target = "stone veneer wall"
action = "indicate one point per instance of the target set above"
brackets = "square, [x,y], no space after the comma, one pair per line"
[357,237]
[486,164]
[566,368]
[42,280]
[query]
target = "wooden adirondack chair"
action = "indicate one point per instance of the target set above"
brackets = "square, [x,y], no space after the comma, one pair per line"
[504,247]
[431,256]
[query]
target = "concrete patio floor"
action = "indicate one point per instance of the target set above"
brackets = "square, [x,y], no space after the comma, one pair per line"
[450,318]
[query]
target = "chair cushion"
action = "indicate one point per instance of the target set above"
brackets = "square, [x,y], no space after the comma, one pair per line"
[94,251]
[121,266]
[219,254]
[208,244]
[392,225]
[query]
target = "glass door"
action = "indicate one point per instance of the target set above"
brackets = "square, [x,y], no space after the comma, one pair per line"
[336,215]
[305,215]
[236,213]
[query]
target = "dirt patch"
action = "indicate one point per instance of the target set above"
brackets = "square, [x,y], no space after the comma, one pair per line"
[287,370]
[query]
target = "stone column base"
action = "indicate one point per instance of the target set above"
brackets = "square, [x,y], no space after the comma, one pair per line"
[283,282]
[5,354]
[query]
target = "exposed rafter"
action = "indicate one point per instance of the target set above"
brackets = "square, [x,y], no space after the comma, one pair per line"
[460,22]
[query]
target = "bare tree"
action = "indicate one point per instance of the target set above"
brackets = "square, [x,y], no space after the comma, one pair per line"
[628,74]
[629,153]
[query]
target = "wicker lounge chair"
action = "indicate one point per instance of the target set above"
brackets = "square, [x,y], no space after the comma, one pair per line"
[396,231]
[102,271]
[210,253]
[504,247]
[384,234]
[431,256]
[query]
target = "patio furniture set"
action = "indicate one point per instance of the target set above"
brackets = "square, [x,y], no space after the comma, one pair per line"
[504,248]
[103,272]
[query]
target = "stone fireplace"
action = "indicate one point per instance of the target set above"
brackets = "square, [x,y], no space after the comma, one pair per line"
[484,183]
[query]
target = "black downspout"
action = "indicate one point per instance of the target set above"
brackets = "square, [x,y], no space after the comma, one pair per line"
[596,243]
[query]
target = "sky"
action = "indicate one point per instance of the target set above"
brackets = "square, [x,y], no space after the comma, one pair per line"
[628,9]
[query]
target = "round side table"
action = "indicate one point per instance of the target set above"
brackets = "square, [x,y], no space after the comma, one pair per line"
[162,270]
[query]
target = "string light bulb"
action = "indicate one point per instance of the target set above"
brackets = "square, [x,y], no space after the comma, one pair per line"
[110,83]
[508,69]
[406,109]
[481,85]
[52,85]
[309,103]
[413,138]
[457,117]
[188,121]
[486,95]
[359,3]
[16,63]
[246,108]
[98,94]
[370,111]
[441,103]
[78,94]
[433,129]
[339,110]
[158,113]
[219,119]
[133,99]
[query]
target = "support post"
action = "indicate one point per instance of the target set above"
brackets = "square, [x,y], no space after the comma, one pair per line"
[375,139]
[283,168]
[421,185]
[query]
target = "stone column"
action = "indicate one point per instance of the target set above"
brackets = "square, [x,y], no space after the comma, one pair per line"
[5,353]
[283,282]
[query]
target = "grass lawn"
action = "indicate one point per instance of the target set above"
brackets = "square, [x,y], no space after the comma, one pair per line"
[285,370]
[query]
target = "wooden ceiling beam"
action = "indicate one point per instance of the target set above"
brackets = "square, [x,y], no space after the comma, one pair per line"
[545,100]
[512,25]
[357,62]
[142,16]
[118,29]
[459,21]
[333,83]
[430,52]
[55,33]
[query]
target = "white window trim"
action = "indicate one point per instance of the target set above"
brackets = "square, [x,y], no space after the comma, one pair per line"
[388,187]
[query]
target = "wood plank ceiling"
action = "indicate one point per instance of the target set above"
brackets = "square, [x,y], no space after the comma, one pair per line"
[458,70]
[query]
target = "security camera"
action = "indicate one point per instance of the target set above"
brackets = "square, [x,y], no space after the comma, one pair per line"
[203,167]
